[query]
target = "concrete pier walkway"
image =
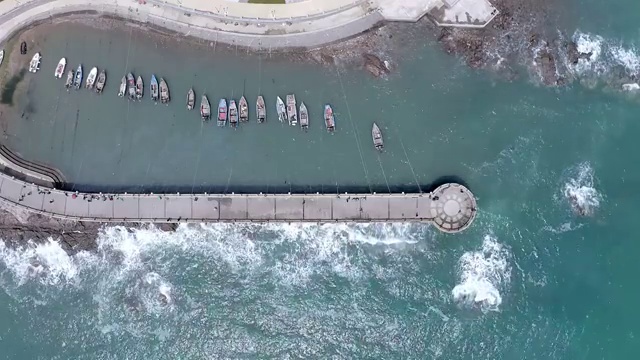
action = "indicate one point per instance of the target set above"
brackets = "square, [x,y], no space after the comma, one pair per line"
[450,207]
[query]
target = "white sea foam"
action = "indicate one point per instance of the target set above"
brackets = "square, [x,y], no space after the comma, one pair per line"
[47,262]
[589,43]
[311,248]
[482,274]
[605,54]
[580,191]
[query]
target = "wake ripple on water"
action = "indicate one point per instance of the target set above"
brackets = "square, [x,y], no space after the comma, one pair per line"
[482,274]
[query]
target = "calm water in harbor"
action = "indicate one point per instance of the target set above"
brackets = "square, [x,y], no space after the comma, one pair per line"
[529,279]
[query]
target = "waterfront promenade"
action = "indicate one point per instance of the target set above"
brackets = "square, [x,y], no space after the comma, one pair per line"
[307,24]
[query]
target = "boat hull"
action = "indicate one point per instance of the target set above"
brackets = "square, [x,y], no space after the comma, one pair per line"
[261,110]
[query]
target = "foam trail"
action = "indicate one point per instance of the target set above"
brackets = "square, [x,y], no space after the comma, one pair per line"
[482,273]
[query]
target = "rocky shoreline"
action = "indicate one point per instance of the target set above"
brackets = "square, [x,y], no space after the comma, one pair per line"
[19,226]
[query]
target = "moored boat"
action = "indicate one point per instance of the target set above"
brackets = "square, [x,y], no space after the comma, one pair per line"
[91,78]
[244,109]
[1,56]
[60,68]
[261,110]
[123,86]
[222,112]
[23,48]
[292,110]
[139,88]
[34,65]
[164,92]
[191,99]
[281,109]
[77,81]
[102,80]
[233,113]
[205,109]
[153,85]
[304,117]
[329,120]
[69,82]
[376,135]
[131,83]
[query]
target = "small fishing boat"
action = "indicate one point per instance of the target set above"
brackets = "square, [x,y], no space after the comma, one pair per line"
[376,135]
[91,78]
[304,117]
[164,92]
[1,56]
[23,48]
[131,83]
[222,112]
[34,65]
[102,80]
[244,110]
[205,109]
[60,68]
[292,110]
[123,86]
[261,110]
[329,120]
[191,100]
[139,88]
[153,84]
[77,81]
[69,83]
[233,114]
[281,109]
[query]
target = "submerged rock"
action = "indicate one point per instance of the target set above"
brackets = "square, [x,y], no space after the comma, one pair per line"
[547,64]
[375,65]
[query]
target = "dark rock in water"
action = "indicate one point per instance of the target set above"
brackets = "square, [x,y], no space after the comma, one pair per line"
[547,64]
[579,209]
[574,55]
[18,227]
[374,65]
[327,59]
[169,227]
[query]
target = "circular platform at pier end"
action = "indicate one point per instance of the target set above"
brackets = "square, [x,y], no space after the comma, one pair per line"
[453,207]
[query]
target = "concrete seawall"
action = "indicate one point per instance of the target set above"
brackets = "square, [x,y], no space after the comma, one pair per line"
[306,24]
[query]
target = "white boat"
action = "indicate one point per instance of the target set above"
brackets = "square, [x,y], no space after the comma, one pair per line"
[123,86]
[304,117]
[376,135]
[1,56]
[292,110]
[69,83]
[34,65]
[281,109]
[60,68]
[91,78]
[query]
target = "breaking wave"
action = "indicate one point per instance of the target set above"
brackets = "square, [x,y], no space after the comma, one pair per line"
[579,190]
[608,60]
[233,246]
[482,274]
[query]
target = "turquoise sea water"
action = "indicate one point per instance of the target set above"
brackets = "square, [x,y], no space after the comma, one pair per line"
[529,280]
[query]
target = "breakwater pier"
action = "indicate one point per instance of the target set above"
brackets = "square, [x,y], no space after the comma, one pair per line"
[450,207]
